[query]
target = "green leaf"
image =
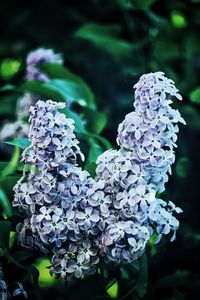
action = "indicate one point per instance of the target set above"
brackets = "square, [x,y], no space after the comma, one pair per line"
[137,4]
[7,183]
[59,90]
[45,279]
[69,90]
[141,284]
[2,165]
[42,90]
[178,19]
[12,165]
[80,128]
[79,125]
[113,291]
[88,288]
[9,67]
[5,227]
[12,239]
[22,255]
[172,53]
[19,142]
[8,104]
[106,37]
[182,167]
[96,121]
[101,139]
[7,87]
[195,95]
[5,204]
[174,280]
[91,168]
[158,21]
[31,272]
[192,116]
[153,249]
[35,277]
[60,72]
[95,151]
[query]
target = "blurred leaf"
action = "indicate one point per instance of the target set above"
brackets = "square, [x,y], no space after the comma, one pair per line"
[172,53]
[79,124]
[95,151]
[124,273]
[182,167]
[101,139]
[8,104]
[91,168]
[80,128]
[105,37]
[191,47]
[2,165]
[113,291]
[31,272]
[191,116]
[5,204]
[11,166]
[195,95]
[60,72]
[42,90]
[178,19]
[141,284]
[159,21]
[7,183]
[9,67]
[7,87]
[35,277]
[22,255]
[5,227]
[178,278]
[96,121]
[141,4]
[12,239]
[70,90]
[19,142]
[153,248]
[45,279]
[88,288]
[58,90]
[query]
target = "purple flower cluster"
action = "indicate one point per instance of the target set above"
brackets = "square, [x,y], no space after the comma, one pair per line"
[79,220]
[134,173]
[37,57]
[20,128]
[60,220]
[150,132]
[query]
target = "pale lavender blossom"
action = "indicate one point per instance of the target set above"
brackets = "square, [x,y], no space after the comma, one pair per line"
[38,57]
[77,219]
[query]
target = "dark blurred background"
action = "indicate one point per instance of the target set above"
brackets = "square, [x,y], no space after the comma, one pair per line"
[111,44]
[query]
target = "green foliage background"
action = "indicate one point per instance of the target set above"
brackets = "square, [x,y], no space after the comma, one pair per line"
[109,44]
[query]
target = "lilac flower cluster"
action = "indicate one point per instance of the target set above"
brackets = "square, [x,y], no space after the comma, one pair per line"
[33,60]
[150,132]
[60,220]
[20,128]
[79,220]
[37,57]
[135,173]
